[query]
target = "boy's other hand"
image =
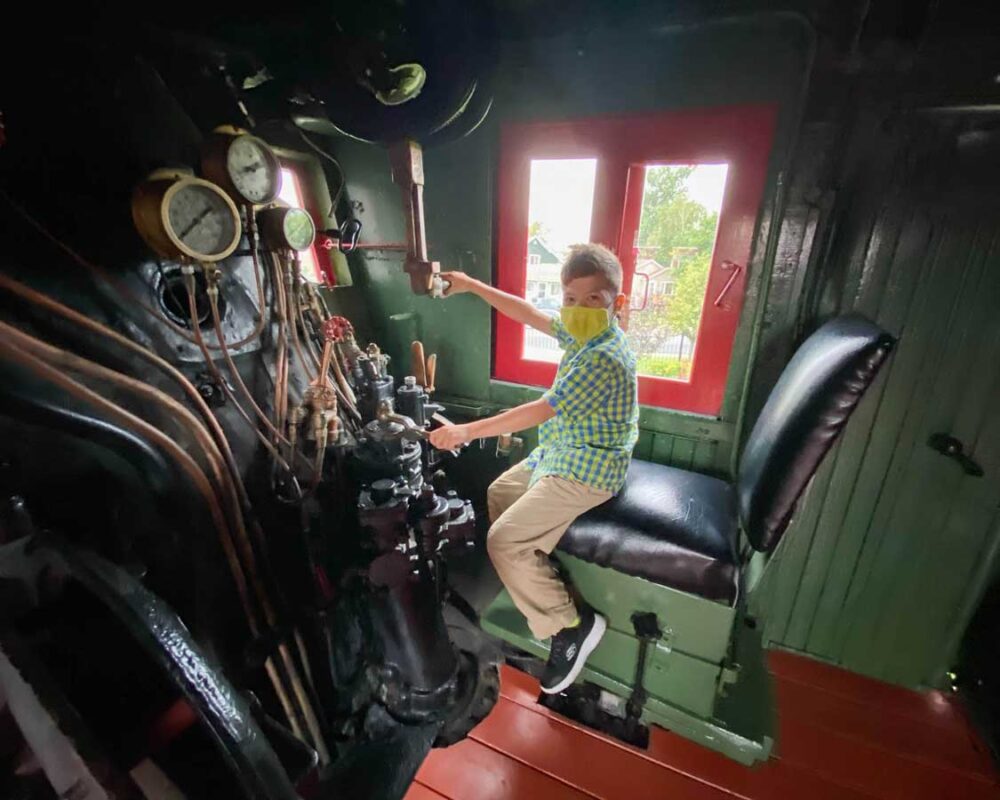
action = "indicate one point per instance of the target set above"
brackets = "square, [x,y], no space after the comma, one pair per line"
[458,282]
[450,437]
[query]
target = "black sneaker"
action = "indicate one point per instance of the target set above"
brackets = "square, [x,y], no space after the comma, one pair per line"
[570,649]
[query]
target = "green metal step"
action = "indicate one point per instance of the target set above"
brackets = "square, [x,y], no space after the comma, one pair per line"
[682,689]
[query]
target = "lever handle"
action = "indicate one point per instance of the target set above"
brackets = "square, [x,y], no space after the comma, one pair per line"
[948,445]
[431,372]
[418,364]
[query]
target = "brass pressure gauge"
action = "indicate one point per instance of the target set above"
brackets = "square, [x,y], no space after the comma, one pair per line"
[245,166]
[286,228]
[183,217]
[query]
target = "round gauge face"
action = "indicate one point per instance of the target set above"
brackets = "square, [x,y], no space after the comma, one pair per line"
[299,229]
[202,219]
[253,170]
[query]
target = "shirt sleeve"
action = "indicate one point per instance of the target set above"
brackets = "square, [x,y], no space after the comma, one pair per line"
[585,389]
[562,335]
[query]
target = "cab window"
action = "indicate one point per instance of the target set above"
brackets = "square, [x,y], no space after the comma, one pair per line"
[675,195]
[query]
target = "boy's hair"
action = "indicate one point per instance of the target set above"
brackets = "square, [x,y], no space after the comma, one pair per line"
[592,259]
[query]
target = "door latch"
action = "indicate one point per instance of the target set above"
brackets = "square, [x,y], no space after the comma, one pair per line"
[736,269]
[948,445]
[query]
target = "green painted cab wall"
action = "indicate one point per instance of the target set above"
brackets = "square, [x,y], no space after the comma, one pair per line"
[892,545]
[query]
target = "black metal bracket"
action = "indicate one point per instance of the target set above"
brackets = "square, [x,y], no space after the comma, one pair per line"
[346,236]
[647,631]
[951,447]
[461,605]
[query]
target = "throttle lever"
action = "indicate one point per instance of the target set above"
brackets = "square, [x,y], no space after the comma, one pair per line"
[411,430]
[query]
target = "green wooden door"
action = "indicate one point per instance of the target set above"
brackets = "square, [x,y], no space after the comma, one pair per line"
[894,542]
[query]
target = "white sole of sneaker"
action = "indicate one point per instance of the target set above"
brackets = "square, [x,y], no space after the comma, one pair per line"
[588,647]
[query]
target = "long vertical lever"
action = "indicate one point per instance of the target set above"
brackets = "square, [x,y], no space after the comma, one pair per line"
[407,161]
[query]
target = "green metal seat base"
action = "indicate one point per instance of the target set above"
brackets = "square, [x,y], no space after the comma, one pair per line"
[723,705]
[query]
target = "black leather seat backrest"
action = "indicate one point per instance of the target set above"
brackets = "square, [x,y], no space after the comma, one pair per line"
[808,407]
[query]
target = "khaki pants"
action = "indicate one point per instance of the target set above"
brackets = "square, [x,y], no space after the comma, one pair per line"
[526,526]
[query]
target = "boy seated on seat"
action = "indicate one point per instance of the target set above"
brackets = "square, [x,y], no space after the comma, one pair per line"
[589,425]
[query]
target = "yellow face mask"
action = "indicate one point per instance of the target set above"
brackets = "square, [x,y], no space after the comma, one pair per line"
[584,323]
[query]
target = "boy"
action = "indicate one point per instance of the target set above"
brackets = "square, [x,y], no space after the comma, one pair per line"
[589,425]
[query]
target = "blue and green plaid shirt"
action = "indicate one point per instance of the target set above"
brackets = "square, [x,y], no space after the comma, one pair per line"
[595,397]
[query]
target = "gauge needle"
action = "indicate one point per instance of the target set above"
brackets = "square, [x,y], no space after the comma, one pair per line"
[195,221]
[252,168]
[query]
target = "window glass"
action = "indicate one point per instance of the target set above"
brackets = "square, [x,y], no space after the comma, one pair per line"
[677,229]
[291,193]
[560,206]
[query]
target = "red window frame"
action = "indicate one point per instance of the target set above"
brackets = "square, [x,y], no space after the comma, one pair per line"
[741,136]
[321,246]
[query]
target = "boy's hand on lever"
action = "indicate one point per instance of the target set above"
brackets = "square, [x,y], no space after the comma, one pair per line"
[450,437]
[522,417]
[458,282]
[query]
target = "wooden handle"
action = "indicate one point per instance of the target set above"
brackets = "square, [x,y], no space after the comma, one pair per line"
[323,379]
[432,361]
[417,362]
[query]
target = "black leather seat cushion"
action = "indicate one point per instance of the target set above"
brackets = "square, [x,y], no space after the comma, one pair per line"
[668,525]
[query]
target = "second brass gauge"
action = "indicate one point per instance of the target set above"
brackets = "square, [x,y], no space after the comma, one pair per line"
[245,166]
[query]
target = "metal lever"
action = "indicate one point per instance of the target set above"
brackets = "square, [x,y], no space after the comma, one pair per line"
[407,161]
[948,445]
[411,431]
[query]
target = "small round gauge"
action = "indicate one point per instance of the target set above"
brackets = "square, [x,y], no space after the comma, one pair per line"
[299,229]
[285,228]
[184,217]
[243,165]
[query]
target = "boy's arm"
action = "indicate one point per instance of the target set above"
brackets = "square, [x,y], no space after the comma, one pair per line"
[517,308]
[516,419]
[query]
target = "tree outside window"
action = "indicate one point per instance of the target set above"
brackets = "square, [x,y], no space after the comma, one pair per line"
[676,231]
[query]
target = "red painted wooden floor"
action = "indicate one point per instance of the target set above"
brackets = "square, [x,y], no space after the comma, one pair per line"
[841,736]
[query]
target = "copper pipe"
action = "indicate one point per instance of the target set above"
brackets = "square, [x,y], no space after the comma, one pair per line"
[292,302]
[37,298]
[345,387]
[217,376]
[213,301]
[261,316]
[339,383]
[142,428]
[308,339]
[281,370]
[188,422]
[310,717]
[324,367]
[30,295]
[44,301]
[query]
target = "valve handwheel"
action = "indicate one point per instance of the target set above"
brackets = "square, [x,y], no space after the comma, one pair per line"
[336,329]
